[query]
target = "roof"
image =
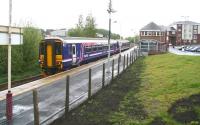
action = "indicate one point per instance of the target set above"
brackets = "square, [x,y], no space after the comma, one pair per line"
[185,22]
[152,27]
[87,40]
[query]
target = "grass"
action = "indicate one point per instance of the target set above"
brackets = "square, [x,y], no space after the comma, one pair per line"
[20,76]
[155,90]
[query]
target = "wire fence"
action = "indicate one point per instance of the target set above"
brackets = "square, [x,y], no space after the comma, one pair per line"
[45,104]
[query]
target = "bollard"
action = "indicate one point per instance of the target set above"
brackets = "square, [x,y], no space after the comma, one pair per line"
[9,107]
[124,62]
[118,69]
[103,77]
[67,96]
[90,83]
[36,109]
[113,63]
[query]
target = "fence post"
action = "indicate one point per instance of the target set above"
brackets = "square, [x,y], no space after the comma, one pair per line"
[113,63]
[119,58]
[130,59]
[132,56]
[127,62]
[36,109]
[103,77]
[90,83]
[124,62]
[67,96]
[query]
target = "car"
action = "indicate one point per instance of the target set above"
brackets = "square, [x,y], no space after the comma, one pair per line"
[194,49]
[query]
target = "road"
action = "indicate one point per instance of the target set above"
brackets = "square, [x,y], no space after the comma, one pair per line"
[52,96]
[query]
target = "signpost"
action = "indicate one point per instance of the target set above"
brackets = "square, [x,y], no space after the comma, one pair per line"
[10,36]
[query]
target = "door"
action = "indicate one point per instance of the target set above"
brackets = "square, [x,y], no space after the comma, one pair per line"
[49,55]
[74,56]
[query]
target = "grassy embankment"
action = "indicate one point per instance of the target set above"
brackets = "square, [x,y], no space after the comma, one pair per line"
[156,90]
[20,76]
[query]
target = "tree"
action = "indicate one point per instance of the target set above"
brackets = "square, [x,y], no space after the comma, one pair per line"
[81,30]
[106,32]
[133,39]
[32,38]
[78,31]
[90,27]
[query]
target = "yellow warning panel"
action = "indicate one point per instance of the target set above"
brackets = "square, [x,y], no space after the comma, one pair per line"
[49,56]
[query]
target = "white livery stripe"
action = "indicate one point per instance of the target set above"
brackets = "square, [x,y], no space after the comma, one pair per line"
[67,60]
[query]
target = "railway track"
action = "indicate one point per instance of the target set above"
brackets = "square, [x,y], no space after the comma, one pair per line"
[4,86]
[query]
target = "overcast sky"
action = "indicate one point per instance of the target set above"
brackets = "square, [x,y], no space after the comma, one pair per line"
[131,15]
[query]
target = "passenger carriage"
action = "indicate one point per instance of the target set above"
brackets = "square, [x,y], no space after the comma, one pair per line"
[58,54]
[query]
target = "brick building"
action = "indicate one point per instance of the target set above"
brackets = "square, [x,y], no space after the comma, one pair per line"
[178,33]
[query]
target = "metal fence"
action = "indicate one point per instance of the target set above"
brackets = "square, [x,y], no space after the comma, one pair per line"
[43,105]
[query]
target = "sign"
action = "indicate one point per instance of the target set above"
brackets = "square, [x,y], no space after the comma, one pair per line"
[16,35]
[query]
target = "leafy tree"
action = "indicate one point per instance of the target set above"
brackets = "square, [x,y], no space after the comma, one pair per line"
[90,27]
[31,39]
[78,31]
[105,33]
[133,39]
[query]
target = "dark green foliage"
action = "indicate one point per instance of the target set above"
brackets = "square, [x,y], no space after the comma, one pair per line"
[24,57]
[106,32]
[133,39]
[32,37]
[3,59]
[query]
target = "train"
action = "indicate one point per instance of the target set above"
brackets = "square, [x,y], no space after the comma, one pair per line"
[59,54]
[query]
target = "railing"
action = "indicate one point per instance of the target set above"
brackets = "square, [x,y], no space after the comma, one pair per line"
[43,105]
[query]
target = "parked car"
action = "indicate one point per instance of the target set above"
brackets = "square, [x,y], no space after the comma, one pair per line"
[194,49]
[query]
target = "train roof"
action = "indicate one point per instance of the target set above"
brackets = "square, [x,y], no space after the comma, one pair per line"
[86,40]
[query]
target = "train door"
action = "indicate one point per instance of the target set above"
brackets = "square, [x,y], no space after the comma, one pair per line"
[74,54]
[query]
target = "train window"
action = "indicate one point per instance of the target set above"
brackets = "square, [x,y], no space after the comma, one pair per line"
[94,48]
[105,47]
[100,48]
[88,49]
[42,49]
[73,50]
[58,48]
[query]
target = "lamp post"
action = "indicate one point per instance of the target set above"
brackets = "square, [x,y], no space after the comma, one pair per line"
[9,94]
[110,11]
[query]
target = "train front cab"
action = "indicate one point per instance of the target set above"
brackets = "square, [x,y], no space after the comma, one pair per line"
[50,56]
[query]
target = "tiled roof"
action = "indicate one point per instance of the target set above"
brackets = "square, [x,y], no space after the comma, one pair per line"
[151,26]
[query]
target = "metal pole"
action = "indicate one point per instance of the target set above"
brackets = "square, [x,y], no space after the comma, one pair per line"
[109,43]
[9,106]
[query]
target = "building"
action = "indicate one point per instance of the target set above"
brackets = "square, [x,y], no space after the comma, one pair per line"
[178,33]
[187,32]
[153,31]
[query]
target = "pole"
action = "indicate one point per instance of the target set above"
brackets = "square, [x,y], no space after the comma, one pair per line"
[109,43]
[9,106]
[67,96]
[36,108]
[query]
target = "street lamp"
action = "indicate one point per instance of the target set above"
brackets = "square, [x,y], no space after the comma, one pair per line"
[110,11]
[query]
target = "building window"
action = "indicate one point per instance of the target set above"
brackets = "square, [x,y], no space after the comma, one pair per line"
[154,33]
[179,30]
[149,33]
[195,27]
[194,31]
[179,25]
[145,33]
[194,36]
[158,33]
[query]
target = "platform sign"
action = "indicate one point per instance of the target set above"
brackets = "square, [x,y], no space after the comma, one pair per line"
[16,35]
